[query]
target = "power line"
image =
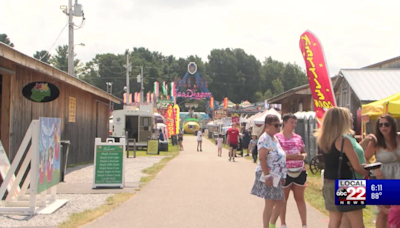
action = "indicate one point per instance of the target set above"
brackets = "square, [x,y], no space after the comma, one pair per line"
[47,52]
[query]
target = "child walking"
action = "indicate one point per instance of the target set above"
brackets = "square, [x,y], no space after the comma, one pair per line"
[220,140]
[252,147]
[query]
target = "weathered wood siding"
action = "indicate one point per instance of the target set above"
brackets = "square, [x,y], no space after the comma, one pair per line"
[91,116]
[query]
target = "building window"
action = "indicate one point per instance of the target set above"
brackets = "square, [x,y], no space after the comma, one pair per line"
[145,121]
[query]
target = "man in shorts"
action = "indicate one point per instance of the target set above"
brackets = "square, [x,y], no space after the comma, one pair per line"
[233,135]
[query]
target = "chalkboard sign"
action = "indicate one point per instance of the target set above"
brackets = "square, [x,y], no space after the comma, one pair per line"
[109,165]
[40,92]
[152,146]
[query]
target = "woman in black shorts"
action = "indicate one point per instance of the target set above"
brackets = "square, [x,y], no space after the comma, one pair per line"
[296,178]
[180,140]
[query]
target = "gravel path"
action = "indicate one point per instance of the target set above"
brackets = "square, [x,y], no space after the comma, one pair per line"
[79,202]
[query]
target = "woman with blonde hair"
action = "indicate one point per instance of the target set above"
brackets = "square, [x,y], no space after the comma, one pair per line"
[341,161]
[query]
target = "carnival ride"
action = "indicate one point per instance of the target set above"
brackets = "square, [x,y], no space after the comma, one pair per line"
[190,126]
[195,83]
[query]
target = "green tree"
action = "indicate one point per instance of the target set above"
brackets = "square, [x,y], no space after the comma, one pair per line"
[60,61]
[43,56]
[268,94]
[278,86]
[5,39]
[235,75]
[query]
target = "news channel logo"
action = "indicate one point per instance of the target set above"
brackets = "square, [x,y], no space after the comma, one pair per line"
[351,192]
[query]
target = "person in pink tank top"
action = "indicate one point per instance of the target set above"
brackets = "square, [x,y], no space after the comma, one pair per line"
[294,148]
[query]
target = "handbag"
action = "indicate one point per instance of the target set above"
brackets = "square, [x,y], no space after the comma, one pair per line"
[346,208]
[295,172]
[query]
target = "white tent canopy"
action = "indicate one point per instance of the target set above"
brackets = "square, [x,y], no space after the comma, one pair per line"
[258,123]
[211,124]
[261,119]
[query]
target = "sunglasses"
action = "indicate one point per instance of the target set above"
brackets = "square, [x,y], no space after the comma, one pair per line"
[277,125]
[386,124]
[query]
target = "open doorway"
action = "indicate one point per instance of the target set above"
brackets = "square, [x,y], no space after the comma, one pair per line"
[132,127]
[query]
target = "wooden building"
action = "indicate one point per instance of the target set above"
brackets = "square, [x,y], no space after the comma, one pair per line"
[298,99]
[83,108]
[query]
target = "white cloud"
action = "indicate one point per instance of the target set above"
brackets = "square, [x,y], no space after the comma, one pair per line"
[354,33]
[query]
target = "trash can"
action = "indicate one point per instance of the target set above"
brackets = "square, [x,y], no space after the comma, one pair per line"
[174,139]
[64,150]
[163,146]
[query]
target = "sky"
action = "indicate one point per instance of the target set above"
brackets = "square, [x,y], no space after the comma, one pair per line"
[353,33]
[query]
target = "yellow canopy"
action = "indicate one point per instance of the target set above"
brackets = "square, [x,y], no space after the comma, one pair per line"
[389,105]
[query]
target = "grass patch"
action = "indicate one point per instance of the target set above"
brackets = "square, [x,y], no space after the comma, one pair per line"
[313,196]
[80,219]
[151,172]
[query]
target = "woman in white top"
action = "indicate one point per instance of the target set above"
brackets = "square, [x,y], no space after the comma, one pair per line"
[199,140]
[386,149]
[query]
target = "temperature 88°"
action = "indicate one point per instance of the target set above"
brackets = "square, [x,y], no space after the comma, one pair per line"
[376,195]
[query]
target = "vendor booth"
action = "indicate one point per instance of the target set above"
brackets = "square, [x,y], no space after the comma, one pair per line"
[389,105]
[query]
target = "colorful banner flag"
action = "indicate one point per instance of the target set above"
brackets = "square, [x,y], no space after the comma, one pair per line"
[169,120]
[152,98]
[172,89]
[212,102]
[318,76]
[156,89]
[125,98]
[176,115]
[225,103]
[164,88]
[148,97]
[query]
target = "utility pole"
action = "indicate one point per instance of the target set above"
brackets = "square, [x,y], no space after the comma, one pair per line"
[109,90]
[71,64]
[128,69]
[76,11]
[141,87]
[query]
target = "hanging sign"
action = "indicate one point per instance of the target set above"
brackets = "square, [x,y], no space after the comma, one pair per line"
[219,114]
[72,110]
[40,92]
[193,95]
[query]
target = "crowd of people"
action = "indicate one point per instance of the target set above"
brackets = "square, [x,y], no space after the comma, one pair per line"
[281,156]
[281,166]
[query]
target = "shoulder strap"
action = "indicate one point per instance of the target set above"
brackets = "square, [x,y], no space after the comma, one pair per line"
[340,159]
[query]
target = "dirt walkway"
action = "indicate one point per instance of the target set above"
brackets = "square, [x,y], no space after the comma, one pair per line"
[200,189]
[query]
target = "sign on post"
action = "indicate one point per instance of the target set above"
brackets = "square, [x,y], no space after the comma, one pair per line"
[152,146]
[109,163]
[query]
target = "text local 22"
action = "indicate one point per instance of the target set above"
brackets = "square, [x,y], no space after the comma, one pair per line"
[320,103]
